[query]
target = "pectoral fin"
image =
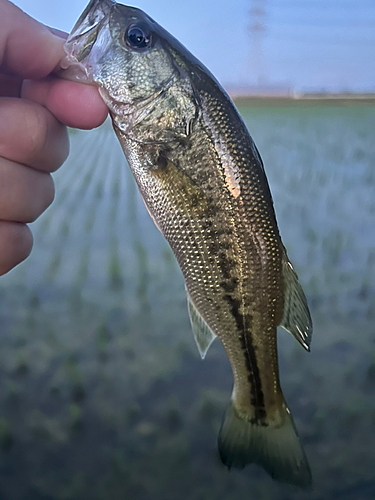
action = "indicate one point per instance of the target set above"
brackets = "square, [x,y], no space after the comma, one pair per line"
[296,318]
[203,334]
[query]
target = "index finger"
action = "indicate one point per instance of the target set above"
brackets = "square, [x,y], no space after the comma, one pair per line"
[27,47]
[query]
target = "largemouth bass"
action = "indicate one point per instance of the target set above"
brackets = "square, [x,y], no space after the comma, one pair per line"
[203,182]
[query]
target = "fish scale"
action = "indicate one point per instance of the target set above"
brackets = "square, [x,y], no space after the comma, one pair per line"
[204,185]
[237,261]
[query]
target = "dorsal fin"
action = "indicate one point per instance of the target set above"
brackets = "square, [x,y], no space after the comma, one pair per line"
[296,318]
[203,334]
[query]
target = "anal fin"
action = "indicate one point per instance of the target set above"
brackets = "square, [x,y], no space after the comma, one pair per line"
[296,318]
[203,334]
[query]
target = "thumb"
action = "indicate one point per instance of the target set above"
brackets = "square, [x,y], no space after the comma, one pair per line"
[27,48]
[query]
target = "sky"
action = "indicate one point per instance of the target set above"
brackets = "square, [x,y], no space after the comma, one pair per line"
[308,45]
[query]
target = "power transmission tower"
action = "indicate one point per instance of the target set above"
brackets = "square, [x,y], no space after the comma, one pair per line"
[257,31]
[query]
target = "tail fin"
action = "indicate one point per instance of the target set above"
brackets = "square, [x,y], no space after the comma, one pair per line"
[274,446]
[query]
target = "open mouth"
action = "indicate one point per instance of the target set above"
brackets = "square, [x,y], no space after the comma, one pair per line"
[81,40]
[92,16]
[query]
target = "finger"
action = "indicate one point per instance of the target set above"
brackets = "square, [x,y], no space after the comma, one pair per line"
[16,242]
[59,33]
[74,104]
[30,134]
[24,192]
[26,46]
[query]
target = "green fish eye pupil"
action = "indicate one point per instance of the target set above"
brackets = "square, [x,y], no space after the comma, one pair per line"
[137,38]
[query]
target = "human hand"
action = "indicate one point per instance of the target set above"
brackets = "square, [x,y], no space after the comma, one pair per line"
[35,109]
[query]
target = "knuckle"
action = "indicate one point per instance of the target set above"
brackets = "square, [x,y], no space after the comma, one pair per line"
[30,134]
[6,111]
[37,131]
[23,126]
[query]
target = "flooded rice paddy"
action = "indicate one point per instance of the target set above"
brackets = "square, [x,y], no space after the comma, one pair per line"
[103,394]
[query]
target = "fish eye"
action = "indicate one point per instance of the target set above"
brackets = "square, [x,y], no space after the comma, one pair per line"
[137,37]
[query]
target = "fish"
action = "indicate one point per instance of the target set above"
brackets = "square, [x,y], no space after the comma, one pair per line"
[203,182]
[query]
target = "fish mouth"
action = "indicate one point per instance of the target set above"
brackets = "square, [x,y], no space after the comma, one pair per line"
[81,40]
[91,18]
